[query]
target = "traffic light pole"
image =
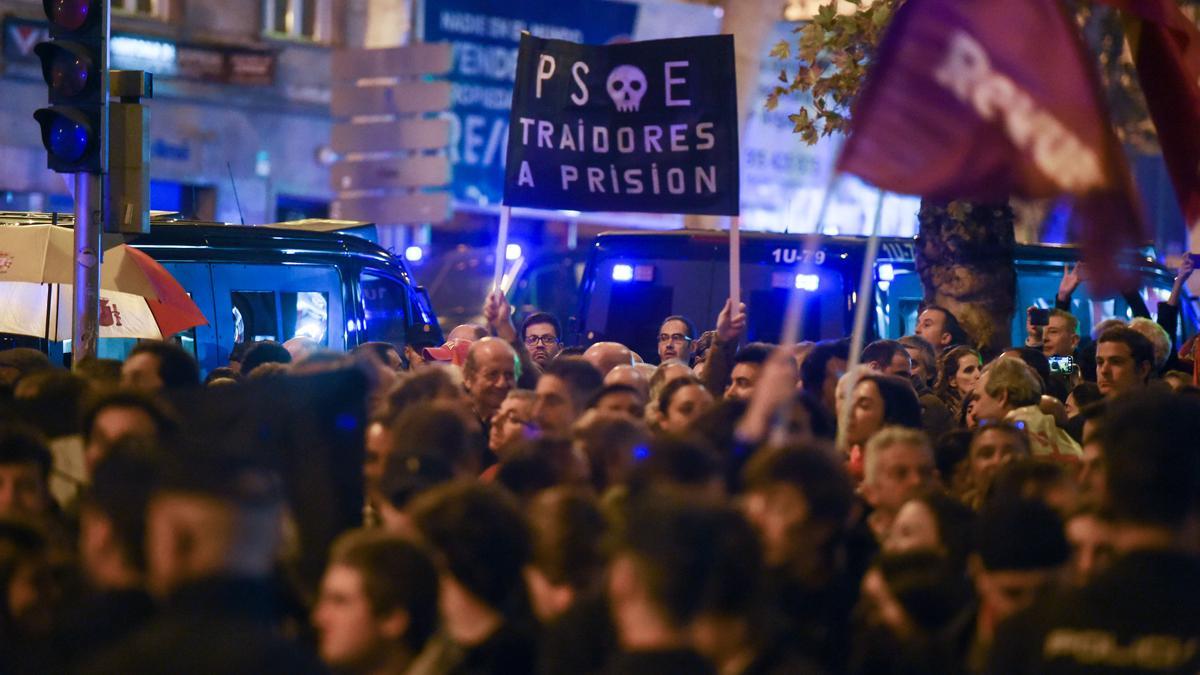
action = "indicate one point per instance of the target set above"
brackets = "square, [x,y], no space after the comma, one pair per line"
[85,322]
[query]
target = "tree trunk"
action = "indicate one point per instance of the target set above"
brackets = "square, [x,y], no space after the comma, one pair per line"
[965,260]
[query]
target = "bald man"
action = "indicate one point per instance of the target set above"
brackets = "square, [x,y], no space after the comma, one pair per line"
[488,375]
[604,356]
[630,376]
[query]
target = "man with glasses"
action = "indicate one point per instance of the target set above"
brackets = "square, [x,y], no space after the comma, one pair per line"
[675,338]
[542,335]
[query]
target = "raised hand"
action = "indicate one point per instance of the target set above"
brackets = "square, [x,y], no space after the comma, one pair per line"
[1071,278]
[730,324]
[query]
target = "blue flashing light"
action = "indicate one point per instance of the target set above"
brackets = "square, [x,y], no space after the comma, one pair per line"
[887,272]
[622,273]
[640,453]
[808,282]
[414,254]
[68,139]
[512,252]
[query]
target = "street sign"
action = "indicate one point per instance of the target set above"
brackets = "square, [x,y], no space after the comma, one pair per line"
[397,99]
[412,61]
[424,171]
[401,209]
[407,134]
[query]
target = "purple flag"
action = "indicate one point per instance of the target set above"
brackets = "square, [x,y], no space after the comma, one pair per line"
[978,99]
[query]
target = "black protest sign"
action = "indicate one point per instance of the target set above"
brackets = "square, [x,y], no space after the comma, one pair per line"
[642,126]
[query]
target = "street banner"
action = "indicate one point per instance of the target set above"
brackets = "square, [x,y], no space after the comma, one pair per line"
[980,100]
[643,126]
[1166,53]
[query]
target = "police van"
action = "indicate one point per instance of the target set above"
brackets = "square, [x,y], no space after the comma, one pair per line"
[324,279]
[632,280]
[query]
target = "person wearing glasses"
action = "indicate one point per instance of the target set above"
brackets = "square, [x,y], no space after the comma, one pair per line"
[542,335]
[675,338]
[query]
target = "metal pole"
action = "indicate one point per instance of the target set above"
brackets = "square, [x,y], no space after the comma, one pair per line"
[85,323]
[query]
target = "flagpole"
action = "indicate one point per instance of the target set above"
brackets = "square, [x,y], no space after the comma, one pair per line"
[735,264]
[793,316]
[866,282]
[501,248]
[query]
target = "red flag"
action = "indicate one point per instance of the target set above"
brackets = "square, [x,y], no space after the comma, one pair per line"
[1166,52]
[978,99]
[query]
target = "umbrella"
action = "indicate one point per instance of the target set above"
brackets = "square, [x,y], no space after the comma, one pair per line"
[138,297]
[45,254]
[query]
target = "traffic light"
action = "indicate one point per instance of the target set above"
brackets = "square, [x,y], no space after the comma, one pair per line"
[75,67]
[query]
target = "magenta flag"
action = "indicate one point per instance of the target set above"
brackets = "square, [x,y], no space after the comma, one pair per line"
[981,100]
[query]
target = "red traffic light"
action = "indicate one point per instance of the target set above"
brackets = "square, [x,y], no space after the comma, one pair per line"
[69,14]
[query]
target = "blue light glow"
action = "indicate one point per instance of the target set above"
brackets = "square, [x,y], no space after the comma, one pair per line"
[414,254]
[808,282]
[68,139]
[887,272]
[622,273]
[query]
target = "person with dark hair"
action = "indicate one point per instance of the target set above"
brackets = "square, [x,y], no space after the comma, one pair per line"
[1150,595]
[799,501]
[264,351]
[222,373]
[378,604]
[563,393]
[566,582]
[950,454]
[908,598]
[940,327]
[958,372]
[428,385]
[213,537]
[1027,478]
[1083,395]
[924,362]
[1089,532]
[686,466]
[511,426]
[992,446]
[406,477]
[154,366]
[542,334]
[878,401]
[119,415]
[568,558]
[112,532]
[237,354]
[482,542]
[52,401]
[821,370]
[889,358]
[934,521]
[620,400]
[440,431]
[18,362]
[747,364]
[681,403]
[675,338]
[385,352]
[25,463]
[1124,361]
[27,612]
[675,563]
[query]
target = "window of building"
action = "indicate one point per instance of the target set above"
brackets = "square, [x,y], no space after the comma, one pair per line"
[299,19]
[156,9]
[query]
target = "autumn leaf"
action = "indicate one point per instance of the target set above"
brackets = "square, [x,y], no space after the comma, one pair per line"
[781,50]
[800,120]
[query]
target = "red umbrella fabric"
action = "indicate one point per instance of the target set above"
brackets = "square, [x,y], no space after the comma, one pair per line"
[174,309]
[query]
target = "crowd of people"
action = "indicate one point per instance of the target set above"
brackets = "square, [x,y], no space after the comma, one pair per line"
[531,507]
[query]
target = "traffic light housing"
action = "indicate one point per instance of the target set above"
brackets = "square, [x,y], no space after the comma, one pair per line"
[75,67]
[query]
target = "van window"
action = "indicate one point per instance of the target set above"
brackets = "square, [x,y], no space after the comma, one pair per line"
[267,315]
[385,308]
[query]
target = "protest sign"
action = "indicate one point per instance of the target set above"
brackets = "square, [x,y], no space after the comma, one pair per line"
[643,126]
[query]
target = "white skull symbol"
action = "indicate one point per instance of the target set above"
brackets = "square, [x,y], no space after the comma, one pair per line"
[626,86]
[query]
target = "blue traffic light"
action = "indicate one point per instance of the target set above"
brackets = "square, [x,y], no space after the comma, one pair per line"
[68,139]
[69,14]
